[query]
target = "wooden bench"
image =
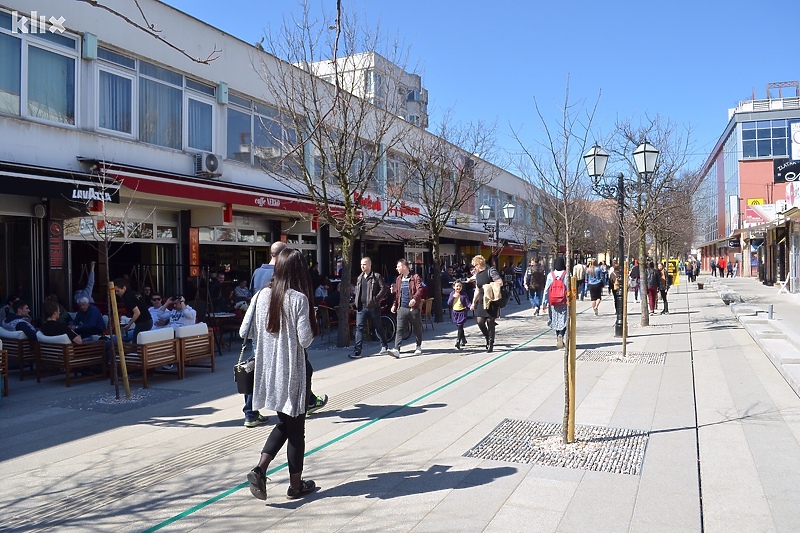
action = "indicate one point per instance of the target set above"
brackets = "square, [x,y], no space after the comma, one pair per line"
[4,368]
[19,347]
[195,343]
[66,357]
[153,349]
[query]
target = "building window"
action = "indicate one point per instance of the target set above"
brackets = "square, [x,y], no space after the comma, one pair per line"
[765,138]
[200,134]
[116,102]
[160,106]
[51,86]
[239,134]
[9,74]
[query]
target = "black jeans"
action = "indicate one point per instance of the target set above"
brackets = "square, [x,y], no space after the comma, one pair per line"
[292,429]
[404,315]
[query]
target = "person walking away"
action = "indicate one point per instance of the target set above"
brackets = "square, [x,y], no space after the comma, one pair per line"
[409,298]
[370,290]
[285,325]
[594,278]
[263,274]
[556,299]
[696,270]
[534,283]
[729,268]
[653,283]
[485,316]
[610,275]
[736,268]
[663,286]
[722,262]
[458,304]
[579,273]
[713,266]
[635,280]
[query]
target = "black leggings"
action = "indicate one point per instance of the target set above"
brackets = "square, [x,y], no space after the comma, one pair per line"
[486,325]
[292,429]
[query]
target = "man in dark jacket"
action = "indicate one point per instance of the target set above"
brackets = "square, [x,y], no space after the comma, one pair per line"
[370,290]
[20,320]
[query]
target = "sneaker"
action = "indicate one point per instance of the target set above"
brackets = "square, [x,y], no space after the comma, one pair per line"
[306,487]
[384,350]
[418,351]
[596,312]
[319,403]
[168,367]
[354,355]
[258,483]
[257,422]
[394,352]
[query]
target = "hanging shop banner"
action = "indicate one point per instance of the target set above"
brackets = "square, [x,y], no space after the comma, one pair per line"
[194,252]
[56,244]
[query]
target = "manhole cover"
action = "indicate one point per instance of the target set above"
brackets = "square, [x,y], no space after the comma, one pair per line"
[606,356]
[598,448]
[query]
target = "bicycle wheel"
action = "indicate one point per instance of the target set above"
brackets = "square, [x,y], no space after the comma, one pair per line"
[407,330]
[388,327]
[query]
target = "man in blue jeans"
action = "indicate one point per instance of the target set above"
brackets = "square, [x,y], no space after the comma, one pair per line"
[370,290]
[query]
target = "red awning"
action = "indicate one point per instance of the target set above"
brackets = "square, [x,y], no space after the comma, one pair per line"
[190,188]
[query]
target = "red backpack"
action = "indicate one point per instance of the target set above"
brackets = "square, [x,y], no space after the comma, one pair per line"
[557,295]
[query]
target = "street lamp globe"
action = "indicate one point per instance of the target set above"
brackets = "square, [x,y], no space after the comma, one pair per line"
[596,159]
[485,211]
[645,157]
[509,211]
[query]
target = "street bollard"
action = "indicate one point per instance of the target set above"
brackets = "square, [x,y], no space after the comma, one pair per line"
[770,312]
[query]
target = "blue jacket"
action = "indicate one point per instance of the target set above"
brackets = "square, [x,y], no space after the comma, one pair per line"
[89,323]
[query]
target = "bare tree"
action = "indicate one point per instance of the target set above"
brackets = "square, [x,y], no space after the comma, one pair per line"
[646,195]
[557,168]
[329,144]
[142,22]
[445,171]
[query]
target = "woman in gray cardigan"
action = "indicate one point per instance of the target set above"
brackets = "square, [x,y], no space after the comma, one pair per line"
[285,326]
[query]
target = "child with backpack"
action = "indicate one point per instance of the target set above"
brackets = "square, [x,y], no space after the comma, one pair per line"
[556,297]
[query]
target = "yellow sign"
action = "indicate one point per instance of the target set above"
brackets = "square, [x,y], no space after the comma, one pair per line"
[755,201]
[672,271]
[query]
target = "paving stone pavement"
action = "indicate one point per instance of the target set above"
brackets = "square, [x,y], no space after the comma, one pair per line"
[390,451]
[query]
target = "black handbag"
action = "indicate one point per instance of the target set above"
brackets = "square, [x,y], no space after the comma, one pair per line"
[244,370]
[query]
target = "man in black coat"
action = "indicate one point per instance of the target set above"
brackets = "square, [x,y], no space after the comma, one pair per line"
[370,290]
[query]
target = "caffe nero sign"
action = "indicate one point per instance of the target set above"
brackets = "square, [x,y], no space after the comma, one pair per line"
[786,170]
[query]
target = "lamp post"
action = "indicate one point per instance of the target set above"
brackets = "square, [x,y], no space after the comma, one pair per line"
[508,213]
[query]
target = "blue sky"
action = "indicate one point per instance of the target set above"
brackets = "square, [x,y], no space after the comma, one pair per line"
[689,61]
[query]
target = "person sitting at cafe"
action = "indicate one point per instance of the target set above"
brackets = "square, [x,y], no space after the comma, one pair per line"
[182,314]
[322,291]
[241,293]
[88,320]
[63,315]
[20,320]
[53,327]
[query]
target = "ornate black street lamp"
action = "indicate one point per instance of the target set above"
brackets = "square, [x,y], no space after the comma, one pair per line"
[645,157]
[494,227]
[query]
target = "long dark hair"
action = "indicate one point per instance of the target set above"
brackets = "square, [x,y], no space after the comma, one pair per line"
[291,272]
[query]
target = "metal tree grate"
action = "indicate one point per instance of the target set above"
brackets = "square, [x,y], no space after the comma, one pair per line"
[606,356]
[597,448]
[105,402]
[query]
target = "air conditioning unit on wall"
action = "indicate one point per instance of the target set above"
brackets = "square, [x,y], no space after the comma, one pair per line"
[207,165]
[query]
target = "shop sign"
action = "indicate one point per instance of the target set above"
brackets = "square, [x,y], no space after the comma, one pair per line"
[786,170]
[56,244]
[194,252]
[91,194]
[734,243]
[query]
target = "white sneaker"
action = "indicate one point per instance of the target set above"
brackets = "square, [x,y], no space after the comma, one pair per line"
[418,351]
[394,353]
[384,350]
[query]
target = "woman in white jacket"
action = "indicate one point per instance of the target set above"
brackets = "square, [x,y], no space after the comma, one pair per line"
[285,325]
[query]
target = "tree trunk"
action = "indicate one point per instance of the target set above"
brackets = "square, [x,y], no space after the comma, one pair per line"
[343,333]
[436,293]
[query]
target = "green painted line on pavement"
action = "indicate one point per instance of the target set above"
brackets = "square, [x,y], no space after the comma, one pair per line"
[333,441]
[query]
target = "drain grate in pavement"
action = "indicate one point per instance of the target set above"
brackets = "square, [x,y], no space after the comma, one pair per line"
[597,448]
[106,402]
[606,356]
